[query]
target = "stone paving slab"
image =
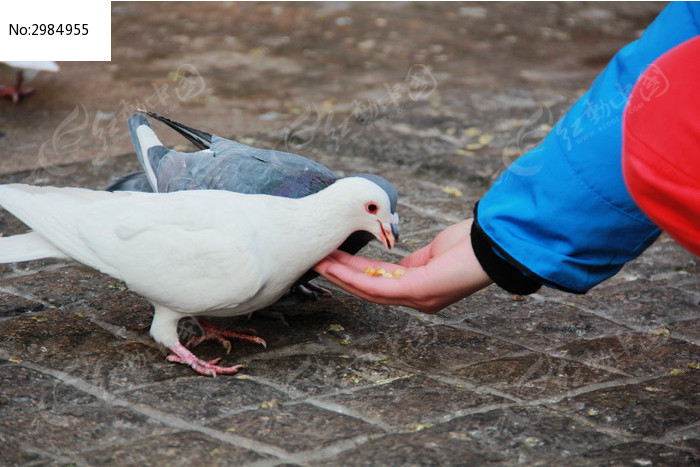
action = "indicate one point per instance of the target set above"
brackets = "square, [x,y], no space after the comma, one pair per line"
[297,427]
[534,375]
[179,448]
[634,354]
[632,413]
[438,98]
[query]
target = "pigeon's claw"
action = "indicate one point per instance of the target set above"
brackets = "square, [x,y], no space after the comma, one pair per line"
[211,332]
[207,368]
[15,92]
[310,291]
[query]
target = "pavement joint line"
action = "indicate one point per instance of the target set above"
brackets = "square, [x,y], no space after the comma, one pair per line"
[320,401]
[620,435]
[441,420]
[30,272]
[662,276]
[550,353]
[351,443]
[153,414]
[483,332]
[119,331]
[528,350]
[46,454]
[303,348]
[554,353]
[294,394]
[681,288]
[165,432]
[623,435]
[684,337]
[321,454]
[479,389]
[341,409]
[30,297]
[572,393]
[670,446]
[248,408]
[631,326]
[673,435]
[137,387]
[599,314]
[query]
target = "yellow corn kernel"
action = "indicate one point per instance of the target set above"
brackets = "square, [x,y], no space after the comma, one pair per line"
[398,273]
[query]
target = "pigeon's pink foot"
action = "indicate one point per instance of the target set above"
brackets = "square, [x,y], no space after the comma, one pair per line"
[207,368]
[15,92]
[221,335]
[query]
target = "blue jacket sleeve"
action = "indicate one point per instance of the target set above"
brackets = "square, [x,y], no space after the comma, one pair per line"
[561,215]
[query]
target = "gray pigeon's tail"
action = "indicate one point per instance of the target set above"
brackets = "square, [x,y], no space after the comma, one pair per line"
[199,138]
[148,147]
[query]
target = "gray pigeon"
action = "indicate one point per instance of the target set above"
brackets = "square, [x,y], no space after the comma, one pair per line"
[223,164]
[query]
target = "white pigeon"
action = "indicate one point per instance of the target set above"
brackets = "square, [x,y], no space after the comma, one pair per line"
[26,71]
[194,253]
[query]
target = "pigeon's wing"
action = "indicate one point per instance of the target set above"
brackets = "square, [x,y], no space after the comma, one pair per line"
[166,248]
[223,164]
[161,165]
[232,166]
[192,250]
[251,170]
[199,138]
[134,181]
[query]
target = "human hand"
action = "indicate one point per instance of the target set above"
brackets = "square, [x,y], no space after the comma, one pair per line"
[436,276]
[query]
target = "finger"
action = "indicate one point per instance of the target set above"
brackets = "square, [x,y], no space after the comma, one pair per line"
[359,263]
[386,290]
[417,258]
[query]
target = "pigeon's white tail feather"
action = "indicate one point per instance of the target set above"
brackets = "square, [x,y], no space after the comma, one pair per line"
[148,147]
[40,66]
[27,247]
[54,213]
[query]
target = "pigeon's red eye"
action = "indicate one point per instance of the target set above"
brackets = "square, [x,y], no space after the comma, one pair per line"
[371,207]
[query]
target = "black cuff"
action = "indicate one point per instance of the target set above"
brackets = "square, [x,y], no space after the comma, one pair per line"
[503,273]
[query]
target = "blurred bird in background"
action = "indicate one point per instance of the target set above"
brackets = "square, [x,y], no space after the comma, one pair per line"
[26,71]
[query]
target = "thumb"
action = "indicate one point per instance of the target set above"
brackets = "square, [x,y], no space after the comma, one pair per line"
[417,258]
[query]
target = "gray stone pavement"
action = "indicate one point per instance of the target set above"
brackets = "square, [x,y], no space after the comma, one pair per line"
[438,98]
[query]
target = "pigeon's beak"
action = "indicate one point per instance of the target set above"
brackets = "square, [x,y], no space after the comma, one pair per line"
[387,235]
[395,226]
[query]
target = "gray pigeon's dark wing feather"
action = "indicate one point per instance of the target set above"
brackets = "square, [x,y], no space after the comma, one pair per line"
[134,181]
[199,138]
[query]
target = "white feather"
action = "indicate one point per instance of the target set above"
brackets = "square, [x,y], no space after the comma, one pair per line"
[214,253]
[27,247]
[37,66]
[147,139]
